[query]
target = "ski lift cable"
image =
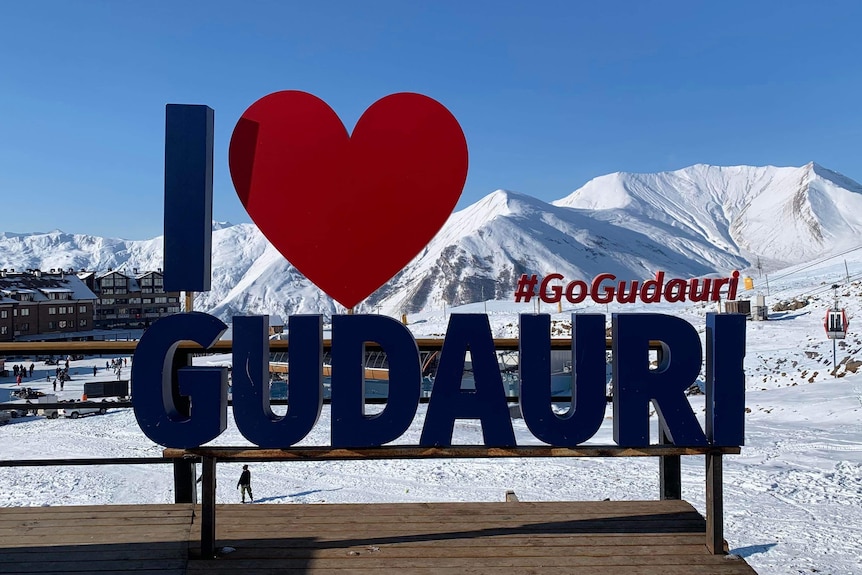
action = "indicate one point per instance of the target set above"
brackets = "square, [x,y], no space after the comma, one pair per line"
[816,262]
[823,289]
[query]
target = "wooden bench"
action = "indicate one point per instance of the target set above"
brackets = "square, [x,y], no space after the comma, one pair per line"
[669,471]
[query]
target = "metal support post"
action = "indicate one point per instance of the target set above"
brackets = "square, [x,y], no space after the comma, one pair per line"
[714,504]
[185,485]
[208,527]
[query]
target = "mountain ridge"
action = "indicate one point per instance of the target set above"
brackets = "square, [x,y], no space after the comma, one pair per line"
[697,221]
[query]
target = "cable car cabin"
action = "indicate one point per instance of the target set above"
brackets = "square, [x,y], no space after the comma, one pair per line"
[835,324]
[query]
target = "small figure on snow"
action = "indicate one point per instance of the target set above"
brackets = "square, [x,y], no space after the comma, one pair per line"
[244,484]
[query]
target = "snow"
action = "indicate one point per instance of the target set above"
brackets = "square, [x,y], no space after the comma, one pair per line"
[691,222]
[793,498]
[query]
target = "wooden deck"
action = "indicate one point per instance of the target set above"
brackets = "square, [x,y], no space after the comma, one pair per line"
[588,538]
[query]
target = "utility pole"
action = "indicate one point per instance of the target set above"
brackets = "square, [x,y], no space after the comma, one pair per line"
[835,341]
[759,267]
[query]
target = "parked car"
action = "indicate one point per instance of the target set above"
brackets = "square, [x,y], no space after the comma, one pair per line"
[23,410]
[75,410]
[50,413]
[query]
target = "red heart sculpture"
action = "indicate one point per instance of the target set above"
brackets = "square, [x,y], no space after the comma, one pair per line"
[349,212]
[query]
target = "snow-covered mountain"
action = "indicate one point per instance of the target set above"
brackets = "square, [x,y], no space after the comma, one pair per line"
[695,221]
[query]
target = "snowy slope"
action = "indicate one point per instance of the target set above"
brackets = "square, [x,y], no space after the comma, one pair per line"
[793,497]
[696,221]
[783,215]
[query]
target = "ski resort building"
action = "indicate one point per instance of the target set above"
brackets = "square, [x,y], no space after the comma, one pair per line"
[62,304]
[35,302]
[130,301]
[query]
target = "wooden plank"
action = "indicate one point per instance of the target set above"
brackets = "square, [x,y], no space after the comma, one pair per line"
[454,452]
[486,557]
[599,537]
[614,541]
[228,567]
[96,564]
[222,346]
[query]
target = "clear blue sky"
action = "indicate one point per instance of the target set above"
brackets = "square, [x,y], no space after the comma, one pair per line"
[549,94]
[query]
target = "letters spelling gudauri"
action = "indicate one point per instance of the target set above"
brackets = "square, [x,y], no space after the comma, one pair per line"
[202,392]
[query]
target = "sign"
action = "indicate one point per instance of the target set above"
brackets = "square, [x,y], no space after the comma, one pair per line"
[327,199]
[605,288]
[157,386]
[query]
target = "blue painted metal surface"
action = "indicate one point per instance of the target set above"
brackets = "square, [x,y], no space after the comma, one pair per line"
[449,401]
[725,379]
[188,197]
[153,383]
[351,427]
[636,385]
[584,417]
[251,392]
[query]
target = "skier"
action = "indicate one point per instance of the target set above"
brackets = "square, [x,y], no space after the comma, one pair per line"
[244,484]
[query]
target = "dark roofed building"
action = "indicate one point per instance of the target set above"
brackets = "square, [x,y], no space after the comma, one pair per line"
[130,301]
[36,302]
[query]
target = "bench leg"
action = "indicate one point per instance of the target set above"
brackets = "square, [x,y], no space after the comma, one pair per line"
[714,504]
[185,486]
[208,528]
[670,472]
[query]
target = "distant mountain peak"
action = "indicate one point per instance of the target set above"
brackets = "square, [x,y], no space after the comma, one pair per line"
[694,221]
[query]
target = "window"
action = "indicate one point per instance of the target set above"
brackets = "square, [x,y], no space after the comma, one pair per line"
[52,310]
[24,326]
[82,323]
[25,311]
[62,323]
[161,300]
[158,281]
[82,309]
[15,312]
[52,324]
[4,330]
[108,301]
[146,281]
[107,282]
[4,313]
[62,310]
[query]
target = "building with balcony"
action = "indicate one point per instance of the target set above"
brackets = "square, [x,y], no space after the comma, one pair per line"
[34,302]
[129,301]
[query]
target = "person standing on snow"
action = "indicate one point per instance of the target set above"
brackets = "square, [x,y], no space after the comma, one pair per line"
[244,484]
